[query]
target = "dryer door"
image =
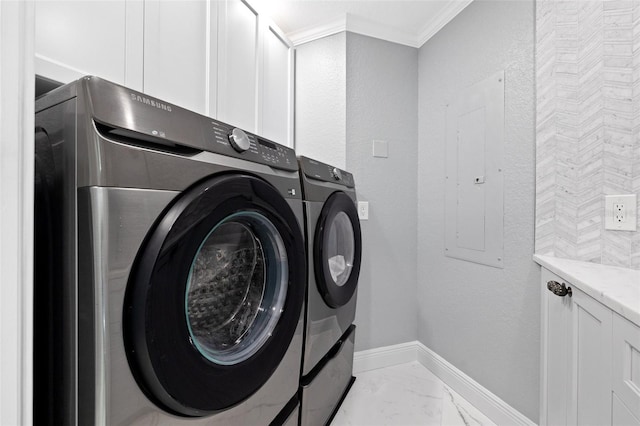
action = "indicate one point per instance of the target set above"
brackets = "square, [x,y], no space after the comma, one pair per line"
[215,295]
[337,250]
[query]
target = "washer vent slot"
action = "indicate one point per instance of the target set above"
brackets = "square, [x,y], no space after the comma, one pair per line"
[142,140]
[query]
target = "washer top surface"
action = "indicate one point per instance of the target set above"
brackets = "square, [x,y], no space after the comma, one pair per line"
[129,123]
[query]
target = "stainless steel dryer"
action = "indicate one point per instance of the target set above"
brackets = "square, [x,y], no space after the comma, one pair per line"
[170,269]
[334,250]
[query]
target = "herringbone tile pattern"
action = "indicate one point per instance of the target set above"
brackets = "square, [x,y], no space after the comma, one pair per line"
[588,126]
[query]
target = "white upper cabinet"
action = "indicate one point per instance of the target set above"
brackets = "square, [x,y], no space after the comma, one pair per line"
[276,98]
[255,73]
[180,52]
[238,64]
[75,38]
[216,57]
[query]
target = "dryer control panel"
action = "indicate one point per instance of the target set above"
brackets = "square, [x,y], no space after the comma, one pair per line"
[317,170]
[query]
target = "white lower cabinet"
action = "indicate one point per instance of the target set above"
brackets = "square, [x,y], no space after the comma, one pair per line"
[626,370]
[590,360]
[556,314]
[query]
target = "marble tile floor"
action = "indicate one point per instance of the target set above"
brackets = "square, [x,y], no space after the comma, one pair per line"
[405,395]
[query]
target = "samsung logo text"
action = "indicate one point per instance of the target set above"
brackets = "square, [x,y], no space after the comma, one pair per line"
[150,102]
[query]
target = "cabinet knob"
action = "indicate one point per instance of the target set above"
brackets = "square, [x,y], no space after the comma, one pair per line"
[559,289]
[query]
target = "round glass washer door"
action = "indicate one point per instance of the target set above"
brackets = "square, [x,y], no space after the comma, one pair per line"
[337,250]
[215,295]
[237,287]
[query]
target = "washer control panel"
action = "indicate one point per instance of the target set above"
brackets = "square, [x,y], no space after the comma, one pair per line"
[154,121]
[235,142]
[317,170]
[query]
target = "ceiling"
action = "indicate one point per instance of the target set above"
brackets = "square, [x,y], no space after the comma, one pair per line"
[406,22]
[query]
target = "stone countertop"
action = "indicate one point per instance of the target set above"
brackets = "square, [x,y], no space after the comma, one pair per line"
[615,287]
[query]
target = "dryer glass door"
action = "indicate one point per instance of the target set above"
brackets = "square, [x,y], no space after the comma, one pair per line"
[337,250]
[340,248]
[215,295]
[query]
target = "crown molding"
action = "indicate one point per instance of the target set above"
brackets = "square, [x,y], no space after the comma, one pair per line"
[329,28]
[358,25]
[352,24]
[449,12]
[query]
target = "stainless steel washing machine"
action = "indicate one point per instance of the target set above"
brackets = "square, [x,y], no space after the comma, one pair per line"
[334,248]
[170,269]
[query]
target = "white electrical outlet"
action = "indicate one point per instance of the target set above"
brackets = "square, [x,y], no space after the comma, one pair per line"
[363,210]
[620,212]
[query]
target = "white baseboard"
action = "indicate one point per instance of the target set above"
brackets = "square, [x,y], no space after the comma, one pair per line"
[489,404]
[386,356]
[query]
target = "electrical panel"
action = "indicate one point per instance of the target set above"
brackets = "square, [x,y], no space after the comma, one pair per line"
[474,173]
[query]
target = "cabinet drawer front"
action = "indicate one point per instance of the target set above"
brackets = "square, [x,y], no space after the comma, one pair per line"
[626,363]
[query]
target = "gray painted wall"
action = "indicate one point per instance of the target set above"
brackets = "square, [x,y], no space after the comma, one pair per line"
[483,320]
[320,122]
[382,104]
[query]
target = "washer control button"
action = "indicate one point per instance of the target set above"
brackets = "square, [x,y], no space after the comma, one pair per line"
[335,172]
[239,140]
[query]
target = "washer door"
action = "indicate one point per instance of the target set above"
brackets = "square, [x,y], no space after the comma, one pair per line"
[337,250]
[215,295]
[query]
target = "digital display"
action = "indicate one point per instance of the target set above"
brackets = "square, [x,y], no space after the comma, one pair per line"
[267,144]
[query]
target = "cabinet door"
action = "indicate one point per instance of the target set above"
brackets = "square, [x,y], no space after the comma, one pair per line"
[590,357]
[237,64]
[626,363]
[75,38]
[179,52]
[276,100]
[621,415]
[556,317]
